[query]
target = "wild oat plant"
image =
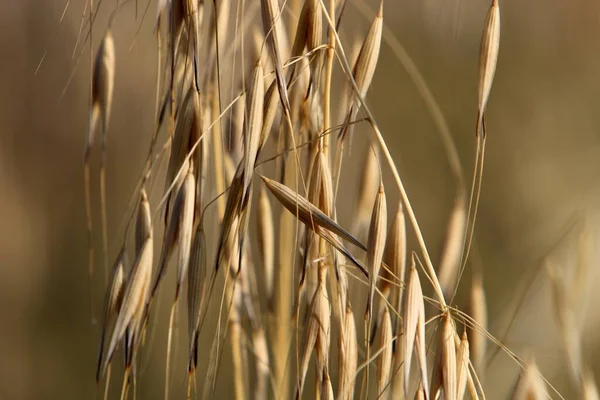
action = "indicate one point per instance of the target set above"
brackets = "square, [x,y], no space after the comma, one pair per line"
[256,107]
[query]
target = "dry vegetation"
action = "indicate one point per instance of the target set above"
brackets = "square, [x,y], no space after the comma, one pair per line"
[235,215]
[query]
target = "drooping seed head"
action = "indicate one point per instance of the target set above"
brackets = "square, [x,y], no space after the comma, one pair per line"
[103,81]
[488,54]
[384,362]
[376,243]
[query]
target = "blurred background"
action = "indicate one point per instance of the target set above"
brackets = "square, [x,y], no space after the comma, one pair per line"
[540,186]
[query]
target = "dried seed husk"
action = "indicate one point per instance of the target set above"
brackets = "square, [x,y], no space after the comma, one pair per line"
[314,218]
[103,81]
[178,233]
[376,243]
[143,226]
[196,286]
[364,68]
[448,365]
[135,297]
[488,56]
[180,146]
[233,209]
[414,329]
[348,356]
[186,225]
[395,259]
[462,366]
[384,362]
[316,336]
[112,301]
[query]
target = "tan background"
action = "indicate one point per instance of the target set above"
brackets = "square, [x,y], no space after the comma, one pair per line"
[542,165]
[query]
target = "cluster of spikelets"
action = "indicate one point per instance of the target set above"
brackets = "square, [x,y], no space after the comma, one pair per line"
[291,299]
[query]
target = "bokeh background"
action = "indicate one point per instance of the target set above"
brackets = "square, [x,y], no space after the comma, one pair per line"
[541,181]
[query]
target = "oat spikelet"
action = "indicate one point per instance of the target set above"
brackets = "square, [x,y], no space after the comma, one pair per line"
[136,292]
[455,234]
[384,361]
[488,57]
[395,257]
[364,68]
[376,243]
[448,365]
[462,366]
[103,82]
[414,330]
[348,356]
[112,302]
[186,225]
[316,337]
[314,218]
[178,233]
